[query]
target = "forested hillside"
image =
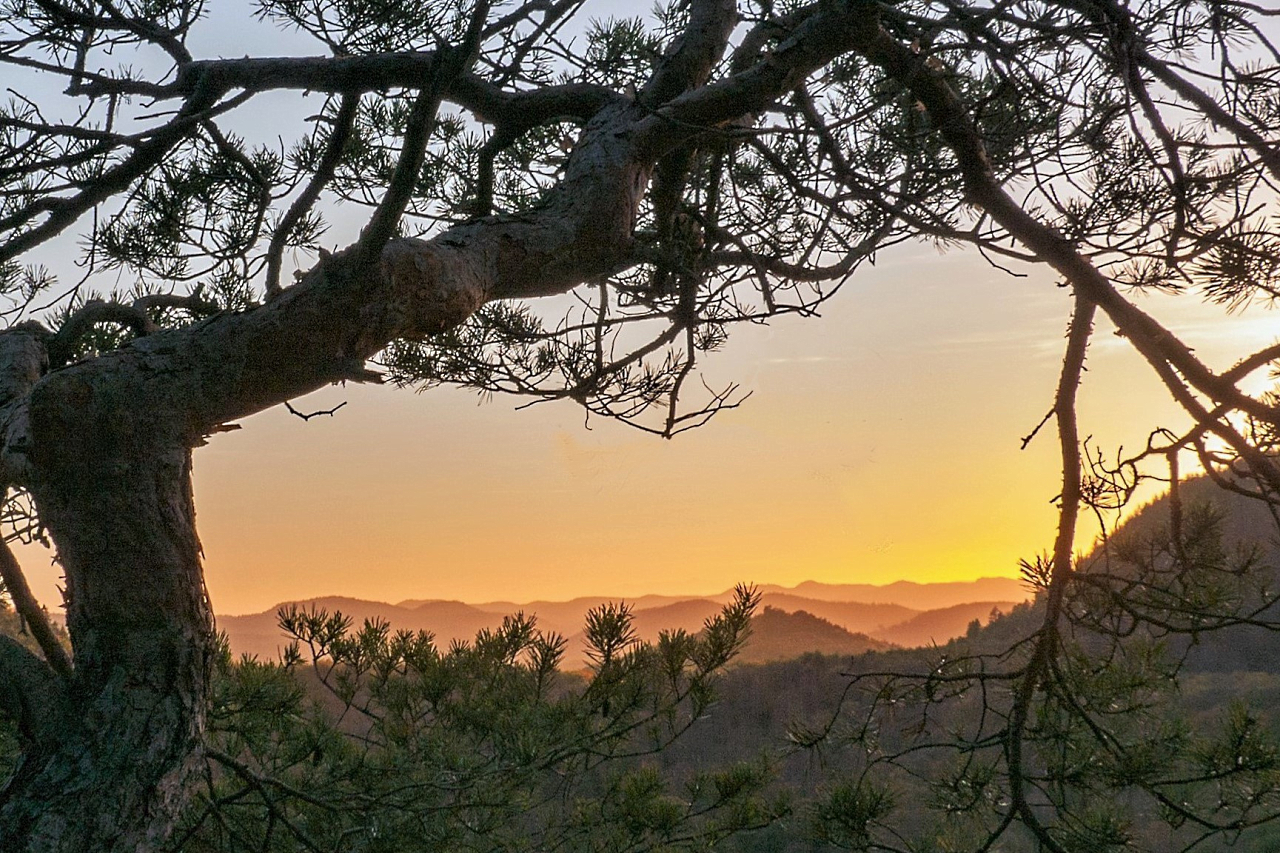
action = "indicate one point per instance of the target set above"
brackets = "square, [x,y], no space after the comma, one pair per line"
[782,753]
[1248,539]
[824,732]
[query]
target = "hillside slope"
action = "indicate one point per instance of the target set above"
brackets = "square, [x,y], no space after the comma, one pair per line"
[934,627]
[777,635]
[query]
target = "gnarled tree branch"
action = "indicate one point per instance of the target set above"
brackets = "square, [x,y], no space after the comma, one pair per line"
[31,613]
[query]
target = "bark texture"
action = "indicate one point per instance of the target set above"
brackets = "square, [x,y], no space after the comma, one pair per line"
[108,464]
[104,444]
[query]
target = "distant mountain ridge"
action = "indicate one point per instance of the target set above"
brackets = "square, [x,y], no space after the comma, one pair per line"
[796,624]
[913,594]
[258,634]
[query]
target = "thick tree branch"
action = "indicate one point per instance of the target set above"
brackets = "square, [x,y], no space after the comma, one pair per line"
[1065,412]
[386,216]
[413,151]
[181,301]
[577,101]
[687,64]
[63,343]
[325,170]
[355,74]
[102,444]
[32,614]
[832,29]
[691,57]
[1047,639]
[749,50]
[61,346]
[515,115]
[1250,363]
[344,311]
[261,74]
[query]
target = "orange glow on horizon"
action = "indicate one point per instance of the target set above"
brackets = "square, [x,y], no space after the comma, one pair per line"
[881,443]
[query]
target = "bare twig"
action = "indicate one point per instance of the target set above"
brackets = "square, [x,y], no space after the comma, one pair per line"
[306,416]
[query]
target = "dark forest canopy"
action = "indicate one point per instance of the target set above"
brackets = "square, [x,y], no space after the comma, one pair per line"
[716,162]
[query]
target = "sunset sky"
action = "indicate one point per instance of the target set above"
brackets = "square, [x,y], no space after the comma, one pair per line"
[881,442]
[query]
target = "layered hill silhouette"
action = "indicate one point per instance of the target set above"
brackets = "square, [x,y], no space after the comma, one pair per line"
[776,635]
[840,619]
[832,620]
[919,596]
[259,634]
[1248,537]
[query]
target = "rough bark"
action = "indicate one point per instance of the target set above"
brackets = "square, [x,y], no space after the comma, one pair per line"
[110,773]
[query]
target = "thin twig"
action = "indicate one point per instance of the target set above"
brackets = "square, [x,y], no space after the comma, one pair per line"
[306,416]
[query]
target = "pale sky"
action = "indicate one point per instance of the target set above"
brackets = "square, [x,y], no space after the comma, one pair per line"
[881,443]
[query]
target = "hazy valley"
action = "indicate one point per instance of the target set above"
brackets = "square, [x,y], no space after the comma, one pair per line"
[834,619]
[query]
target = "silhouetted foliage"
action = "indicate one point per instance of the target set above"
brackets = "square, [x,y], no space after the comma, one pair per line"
[710,164]
[376,740]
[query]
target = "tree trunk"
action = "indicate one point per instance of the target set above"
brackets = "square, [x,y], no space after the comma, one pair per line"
[104,447]
[112,478]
